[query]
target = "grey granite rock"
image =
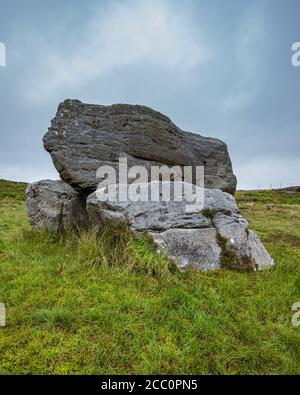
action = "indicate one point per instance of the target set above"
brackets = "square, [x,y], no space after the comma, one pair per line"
[149,215]
[55,206]
[190,248]
[258,254]
[241,247]
[216,236]
[83,137]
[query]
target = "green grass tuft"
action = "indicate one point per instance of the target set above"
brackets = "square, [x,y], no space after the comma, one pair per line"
[12,190]
[58,317]
[208,213]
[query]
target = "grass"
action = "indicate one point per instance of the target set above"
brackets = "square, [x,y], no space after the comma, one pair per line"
[13,190]
[81,304]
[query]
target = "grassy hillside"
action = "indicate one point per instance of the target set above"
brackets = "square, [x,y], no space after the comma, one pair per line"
[79,304]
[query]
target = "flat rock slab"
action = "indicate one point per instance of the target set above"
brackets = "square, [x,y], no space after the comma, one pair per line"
[55,206]
[83,137]
[158,215]
[214,237]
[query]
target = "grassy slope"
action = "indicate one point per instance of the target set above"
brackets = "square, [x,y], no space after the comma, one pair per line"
[78,305]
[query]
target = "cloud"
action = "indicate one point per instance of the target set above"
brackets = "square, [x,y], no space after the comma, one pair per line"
[247,56]
[148,32]
[267,172]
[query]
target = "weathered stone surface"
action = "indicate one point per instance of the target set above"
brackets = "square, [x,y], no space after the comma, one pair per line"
[55,206]
[217,236]
[190,248]
[83,137]
[259,255]
[153,215]
[241,247]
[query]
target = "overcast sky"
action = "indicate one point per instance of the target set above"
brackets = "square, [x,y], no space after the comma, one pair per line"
[215,67]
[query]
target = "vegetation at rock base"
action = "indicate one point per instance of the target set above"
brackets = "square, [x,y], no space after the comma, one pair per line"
[83,304]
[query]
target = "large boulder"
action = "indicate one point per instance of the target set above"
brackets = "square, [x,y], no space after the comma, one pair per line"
[55,206]
[214,237]
[83,137]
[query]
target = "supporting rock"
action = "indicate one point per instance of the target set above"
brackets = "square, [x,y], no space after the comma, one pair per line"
[55,206]
[217,236]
